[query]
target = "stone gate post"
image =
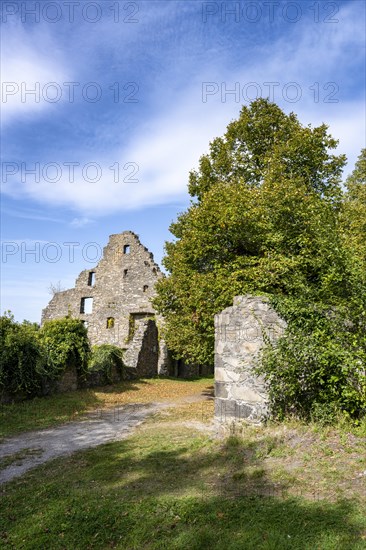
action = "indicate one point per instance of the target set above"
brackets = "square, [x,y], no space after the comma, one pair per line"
[240,332]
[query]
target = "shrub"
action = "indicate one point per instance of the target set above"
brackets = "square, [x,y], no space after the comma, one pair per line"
[19,357]
[317,370]
[324,413]
[64,344]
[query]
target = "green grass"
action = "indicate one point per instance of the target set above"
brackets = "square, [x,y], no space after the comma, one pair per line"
[175,485]
[45,412]
[173,489]
[17,458]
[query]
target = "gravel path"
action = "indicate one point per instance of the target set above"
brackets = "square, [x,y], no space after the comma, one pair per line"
[37,447]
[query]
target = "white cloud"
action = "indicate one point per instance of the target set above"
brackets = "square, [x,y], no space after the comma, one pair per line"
[80,222]
[153,169]
[346,123]
[30,62]
[160,161]
[154,165]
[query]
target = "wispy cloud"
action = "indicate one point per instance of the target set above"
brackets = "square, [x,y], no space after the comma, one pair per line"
[26,214]
[149,164]
[30,60]
[80,222]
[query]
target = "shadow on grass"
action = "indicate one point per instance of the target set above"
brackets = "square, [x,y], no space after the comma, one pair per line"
[173,493]
[209,392]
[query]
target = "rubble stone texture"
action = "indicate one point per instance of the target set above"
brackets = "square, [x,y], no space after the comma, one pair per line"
[113,299]
[240,333]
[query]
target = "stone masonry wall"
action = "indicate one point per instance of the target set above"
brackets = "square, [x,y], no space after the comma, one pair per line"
[240,333]
[143,351]
[121,287]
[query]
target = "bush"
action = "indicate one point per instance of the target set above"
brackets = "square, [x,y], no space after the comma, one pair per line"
[30,355]
[64,344]
[317,370]
[105,359]
[20,356]
[324,413]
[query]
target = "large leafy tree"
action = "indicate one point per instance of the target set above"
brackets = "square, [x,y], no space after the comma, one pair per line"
[263,218]
[354,207]
[264,141]
[353,228]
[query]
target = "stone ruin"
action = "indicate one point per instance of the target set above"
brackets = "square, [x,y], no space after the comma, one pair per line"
[241,331]
[113,300]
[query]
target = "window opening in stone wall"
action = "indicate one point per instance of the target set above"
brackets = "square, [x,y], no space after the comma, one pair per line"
[125,271]
[91,278]
[126,249]
[110,322]
[86,305]
[154,270]
[145,288]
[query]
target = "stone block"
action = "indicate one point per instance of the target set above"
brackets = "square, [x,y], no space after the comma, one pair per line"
[225,375]
[221,389]
[246,394]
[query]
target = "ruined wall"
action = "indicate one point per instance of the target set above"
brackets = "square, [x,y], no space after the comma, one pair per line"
[121,287]
[67,382]
[143,350]
[240,333]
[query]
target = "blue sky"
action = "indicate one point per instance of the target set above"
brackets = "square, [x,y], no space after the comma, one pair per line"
[126,97]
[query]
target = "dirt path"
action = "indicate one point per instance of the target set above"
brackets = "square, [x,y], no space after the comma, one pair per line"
[25,451]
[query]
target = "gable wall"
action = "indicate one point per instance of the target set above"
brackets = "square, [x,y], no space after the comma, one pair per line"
[115,294]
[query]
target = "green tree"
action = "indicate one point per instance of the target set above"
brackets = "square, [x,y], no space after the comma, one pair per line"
[264,141]
[354,208]
[353,231]
[317,370]
[263,219]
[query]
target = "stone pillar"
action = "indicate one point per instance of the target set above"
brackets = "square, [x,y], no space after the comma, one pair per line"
[164,359]
[240,333]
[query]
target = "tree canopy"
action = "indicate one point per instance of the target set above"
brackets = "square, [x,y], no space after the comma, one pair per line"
[267,201]
[354,207]
[263,142]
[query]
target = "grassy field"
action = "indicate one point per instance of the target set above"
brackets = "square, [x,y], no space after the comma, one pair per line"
[179,484]
[45,412]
